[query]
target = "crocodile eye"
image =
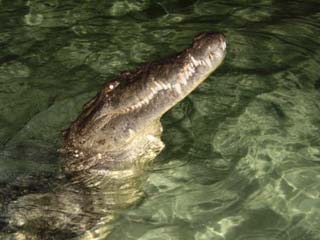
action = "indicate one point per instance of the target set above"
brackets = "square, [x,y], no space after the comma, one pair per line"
[111,86]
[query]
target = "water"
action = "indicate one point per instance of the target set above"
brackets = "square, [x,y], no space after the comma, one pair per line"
[243,151]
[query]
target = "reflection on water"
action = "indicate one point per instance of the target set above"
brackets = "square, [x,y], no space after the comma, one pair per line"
[243,151]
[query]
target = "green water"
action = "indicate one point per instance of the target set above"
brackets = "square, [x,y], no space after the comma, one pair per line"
[242,156]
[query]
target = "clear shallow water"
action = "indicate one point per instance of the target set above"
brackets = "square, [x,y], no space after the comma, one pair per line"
[243,151]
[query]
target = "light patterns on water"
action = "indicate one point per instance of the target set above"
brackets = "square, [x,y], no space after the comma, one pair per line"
[242,152]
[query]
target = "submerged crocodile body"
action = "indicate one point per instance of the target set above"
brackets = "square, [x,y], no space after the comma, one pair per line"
[107,149]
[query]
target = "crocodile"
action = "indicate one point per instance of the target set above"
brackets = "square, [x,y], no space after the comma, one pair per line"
[107,150]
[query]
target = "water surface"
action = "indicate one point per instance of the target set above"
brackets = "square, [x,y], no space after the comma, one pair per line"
[243,151]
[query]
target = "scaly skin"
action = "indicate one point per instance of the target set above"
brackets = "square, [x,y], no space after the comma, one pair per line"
[107,150]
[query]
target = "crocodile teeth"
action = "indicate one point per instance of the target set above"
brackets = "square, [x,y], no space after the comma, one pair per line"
[159,87]
[186,73]
[224,45]
[219,54]
[154,90]
[163,86]
[195,62]
[184,81]
[177,87]
[208,61]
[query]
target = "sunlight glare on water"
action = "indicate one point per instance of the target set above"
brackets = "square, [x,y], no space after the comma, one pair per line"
[243,151]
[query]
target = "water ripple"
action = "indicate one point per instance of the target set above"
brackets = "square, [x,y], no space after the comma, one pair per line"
[243,151]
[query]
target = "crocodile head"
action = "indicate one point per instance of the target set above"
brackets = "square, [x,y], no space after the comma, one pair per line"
[128,108]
